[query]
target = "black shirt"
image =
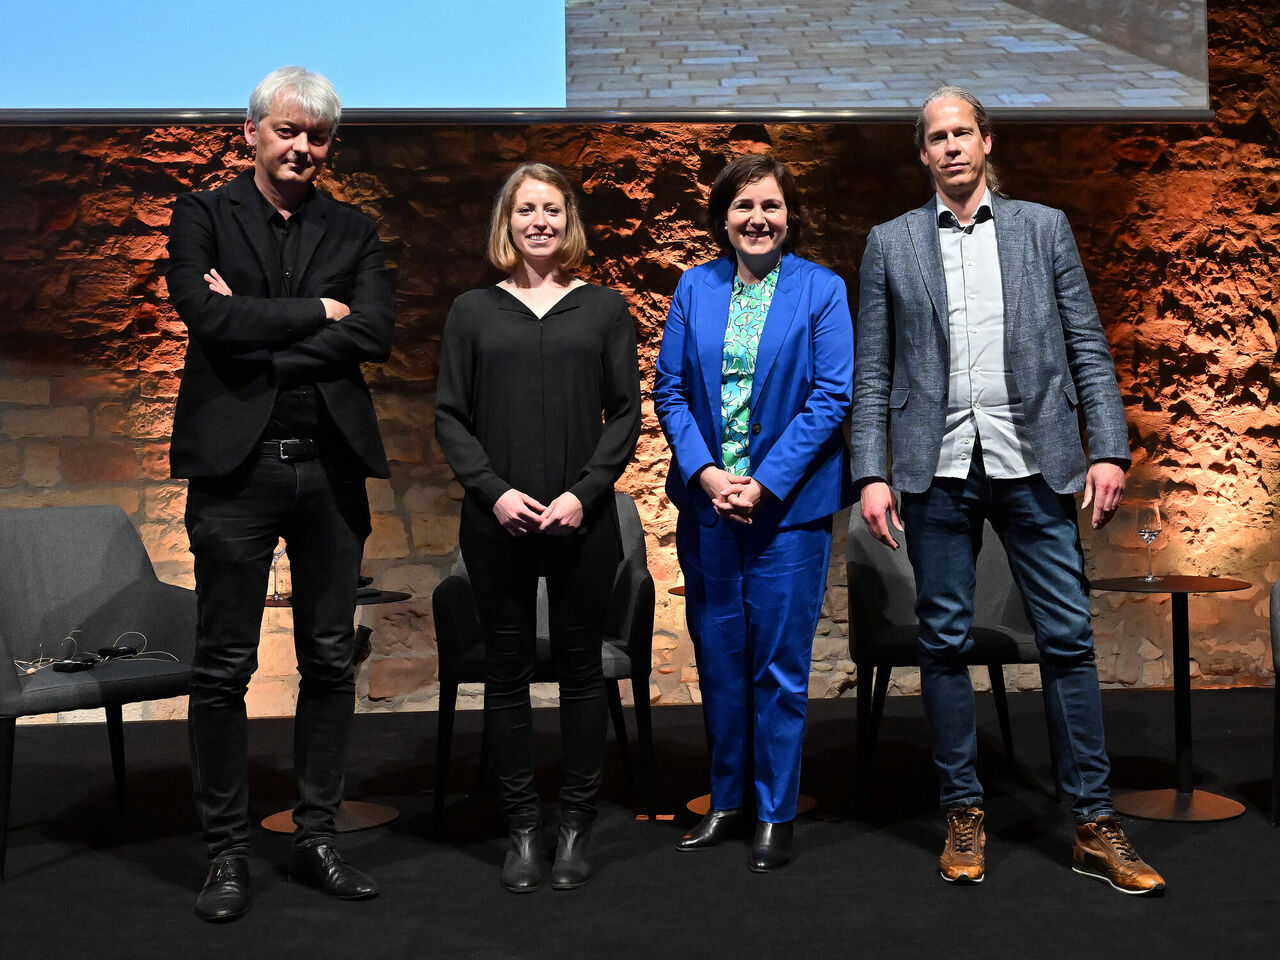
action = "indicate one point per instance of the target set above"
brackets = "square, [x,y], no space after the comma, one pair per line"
[299,409]
[542,405]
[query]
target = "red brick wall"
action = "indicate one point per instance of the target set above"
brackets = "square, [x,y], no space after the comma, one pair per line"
[1177,225]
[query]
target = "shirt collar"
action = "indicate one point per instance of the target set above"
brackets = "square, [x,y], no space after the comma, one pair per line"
[763,290]
[948,219]
[269,212]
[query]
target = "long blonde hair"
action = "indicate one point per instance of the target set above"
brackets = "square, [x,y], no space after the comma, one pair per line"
[980,116]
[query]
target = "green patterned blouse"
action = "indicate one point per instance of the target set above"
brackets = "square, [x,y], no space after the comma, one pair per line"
[748,307]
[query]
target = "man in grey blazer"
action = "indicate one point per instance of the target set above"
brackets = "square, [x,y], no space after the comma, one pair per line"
[978,350]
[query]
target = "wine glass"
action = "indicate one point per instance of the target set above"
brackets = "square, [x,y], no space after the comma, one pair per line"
[275,571]
[1149,527]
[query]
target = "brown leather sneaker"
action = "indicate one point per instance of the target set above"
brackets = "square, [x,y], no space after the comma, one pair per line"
[964,858]
[1103,851]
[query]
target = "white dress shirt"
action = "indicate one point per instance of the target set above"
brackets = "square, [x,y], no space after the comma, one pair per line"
[982,398]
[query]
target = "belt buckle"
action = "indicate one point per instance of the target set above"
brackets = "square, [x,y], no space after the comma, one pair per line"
[301,449]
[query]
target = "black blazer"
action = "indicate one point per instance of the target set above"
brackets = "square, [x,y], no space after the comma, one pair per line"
[242,347]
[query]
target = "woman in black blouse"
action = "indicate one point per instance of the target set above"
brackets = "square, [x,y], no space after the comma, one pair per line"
[538,411]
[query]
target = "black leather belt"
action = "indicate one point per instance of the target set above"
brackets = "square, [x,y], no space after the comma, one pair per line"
[291,451]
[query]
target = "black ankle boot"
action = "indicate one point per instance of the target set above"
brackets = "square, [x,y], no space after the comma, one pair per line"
[571,868]
[771,848]
[521,871]
[716,827]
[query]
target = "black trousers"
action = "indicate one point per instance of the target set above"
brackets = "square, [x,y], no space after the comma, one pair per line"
[321,510]
[580,571]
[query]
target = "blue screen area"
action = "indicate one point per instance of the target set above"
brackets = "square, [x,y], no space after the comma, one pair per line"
[158,54]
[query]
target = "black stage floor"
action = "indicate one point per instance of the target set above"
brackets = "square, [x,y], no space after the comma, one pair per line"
[82,881]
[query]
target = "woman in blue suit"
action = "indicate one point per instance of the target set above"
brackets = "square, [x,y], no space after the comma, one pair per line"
[754,380]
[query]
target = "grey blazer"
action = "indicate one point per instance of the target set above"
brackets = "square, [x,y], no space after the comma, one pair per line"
[1053,340]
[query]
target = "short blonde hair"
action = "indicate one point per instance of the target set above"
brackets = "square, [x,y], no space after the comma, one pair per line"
[502,252]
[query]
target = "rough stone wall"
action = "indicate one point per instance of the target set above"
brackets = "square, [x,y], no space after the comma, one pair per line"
[1177,225]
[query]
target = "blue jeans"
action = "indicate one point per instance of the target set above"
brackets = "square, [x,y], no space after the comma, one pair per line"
[1038,528]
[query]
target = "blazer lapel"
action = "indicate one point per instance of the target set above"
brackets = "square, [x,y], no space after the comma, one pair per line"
[246,208]
[712,318]
[1011,240]
[782,313]
[314,225]
[922,227]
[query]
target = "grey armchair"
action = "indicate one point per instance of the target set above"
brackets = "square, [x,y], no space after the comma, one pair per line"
[626,653]
[72,580]
[884,631]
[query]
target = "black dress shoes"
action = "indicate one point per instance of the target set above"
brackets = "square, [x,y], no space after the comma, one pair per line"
[322,867]
[521,871]
[716,827]
[225,894]
[571,868]
[771,847]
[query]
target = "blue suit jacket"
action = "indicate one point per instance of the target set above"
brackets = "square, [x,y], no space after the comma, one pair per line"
[800,396]
[1054,343]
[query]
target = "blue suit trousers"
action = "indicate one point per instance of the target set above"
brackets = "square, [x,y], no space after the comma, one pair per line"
[754,595]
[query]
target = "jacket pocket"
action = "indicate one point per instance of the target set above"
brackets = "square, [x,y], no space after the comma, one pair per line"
[338,287]
[898,397]
[1070,390]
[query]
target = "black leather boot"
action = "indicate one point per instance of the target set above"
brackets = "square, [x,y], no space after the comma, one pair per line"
[572,868]
[716,827]
[521,871]
[772,846]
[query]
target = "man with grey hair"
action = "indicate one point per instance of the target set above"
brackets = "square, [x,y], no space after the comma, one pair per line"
[978,347]
[284,293]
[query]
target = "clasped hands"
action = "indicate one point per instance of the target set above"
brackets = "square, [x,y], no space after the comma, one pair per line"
[735,497]
[333,309]
[520,514]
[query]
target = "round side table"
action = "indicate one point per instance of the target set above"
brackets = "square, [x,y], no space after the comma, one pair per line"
[1183,802]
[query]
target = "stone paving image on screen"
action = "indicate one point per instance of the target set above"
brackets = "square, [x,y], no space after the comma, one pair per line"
[831,56]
